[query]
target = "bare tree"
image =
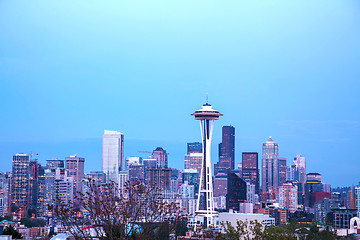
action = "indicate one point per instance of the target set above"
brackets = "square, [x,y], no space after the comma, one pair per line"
[135,212]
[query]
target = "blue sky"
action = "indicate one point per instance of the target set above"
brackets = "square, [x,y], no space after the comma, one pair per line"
[289,69]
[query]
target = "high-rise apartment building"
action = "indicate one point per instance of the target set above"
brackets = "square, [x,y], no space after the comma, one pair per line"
[287,197]
[161,157]
[112,154]
[270,166]
[227,146]
[74,167]
[4,194]
[20,185]
[193,161]
[250,169]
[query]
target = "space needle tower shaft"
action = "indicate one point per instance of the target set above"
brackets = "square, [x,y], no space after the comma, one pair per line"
[205,203]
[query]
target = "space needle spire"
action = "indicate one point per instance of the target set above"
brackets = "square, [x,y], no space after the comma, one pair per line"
[205,203]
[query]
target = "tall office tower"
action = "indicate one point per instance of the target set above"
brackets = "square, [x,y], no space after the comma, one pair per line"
[20,185]
[287,197]
[161,157]
[282,170]
[300,164]
[270,166]
[236,191]
[193,161]
[227,146]
[313,189]
[132,160]
[250,169]
[4,194]
[112,154]
[226,151]
[205,204]
[74,167]
[34,168]
[194,147]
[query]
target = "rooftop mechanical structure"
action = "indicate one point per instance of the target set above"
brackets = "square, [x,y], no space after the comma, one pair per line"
[205,204]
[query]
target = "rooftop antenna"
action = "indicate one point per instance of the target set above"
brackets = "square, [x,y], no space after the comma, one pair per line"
[207,98]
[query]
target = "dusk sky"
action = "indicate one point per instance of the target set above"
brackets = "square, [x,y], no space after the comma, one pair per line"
[286,69]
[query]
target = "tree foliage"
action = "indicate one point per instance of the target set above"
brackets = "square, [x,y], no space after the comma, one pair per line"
[10,230]
[246,230]
[135,212]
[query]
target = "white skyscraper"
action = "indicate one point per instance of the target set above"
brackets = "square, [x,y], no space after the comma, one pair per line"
[297,170]
[270,166]
[112,154]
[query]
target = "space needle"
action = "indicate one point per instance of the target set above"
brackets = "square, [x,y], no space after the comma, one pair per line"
[205,202]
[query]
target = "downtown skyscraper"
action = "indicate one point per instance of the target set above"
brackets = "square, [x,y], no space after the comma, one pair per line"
[227,146]
[112,154]
[250,169]
[226,150]
[297,170]
[20,185]
[270,166]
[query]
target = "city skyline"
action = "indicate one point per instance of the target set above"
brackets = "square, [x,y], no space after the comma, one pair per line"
[280,69]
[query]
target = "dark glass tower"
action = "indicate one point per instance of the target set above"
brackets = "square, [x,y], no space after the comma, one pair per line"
[227,146]
[250,169]
[236,191]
